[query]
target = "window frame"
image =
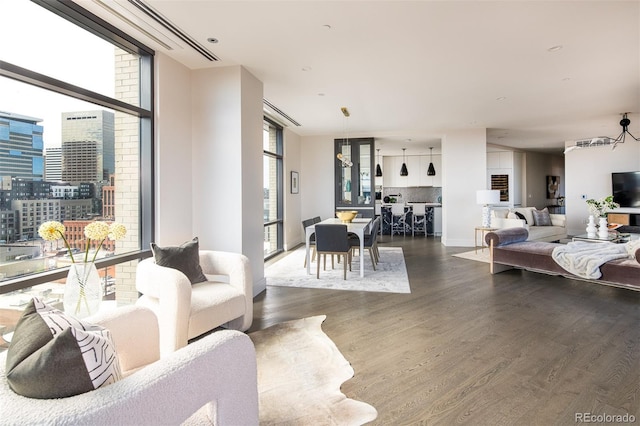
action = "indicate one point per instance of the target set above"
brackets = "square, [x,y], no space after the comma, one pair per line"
[145,112]
[279,157]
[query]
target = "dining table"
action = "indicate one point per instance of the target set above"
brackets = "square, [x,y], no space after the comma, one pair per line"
[357,226]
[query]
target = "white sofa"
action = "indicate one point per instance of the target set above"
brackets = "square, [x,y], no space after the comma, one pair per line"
[218,371]
[506,218]
[186,311]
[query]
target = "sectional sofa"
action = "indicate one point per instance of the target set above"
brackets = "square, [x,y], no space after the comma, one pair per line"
[553,229]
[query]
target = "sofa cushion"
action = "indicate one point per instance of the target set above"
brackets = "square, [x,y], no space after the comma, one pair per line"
[54,355]
[541,217]
[184,258]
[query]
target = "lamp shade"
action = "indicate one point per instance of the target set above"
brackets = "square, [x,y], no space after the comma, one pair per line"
[403,170]
[487,196]
[431,171]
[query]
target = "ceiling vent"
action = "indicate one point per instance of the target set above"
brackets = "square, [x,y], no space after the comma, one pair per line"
[589,143]
[141,17]
[600,141]
[277,114]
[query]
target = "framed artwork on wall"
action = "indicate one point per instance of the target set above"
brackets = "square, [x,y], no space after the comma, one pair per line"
[553,187]
[295,182]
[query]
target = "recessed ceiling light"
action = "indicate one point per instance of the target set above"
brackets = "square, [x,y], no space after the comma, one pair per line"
[320,94]
[566,79]
[212,40]
[327,26]
[306,68]
[555,48]
[501,98]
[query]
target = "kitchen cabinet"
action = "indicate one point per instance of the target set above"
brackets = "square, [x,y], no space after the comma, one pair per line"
[391,172]
[417,166]
[354,188]
[500,160]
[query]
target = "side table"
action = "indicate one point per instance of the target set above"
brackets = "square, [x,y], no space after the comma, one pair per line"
[483,230]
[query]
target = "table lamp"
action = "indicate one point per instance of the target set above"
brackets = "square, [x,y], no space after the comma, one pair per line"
[485,197]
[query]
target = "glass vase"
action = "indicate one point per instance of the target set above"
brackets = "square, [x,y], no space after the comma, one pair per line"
[83,290]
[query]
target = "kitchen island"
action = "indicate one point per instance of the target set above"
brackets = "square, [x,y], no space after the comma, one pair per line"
[433,216]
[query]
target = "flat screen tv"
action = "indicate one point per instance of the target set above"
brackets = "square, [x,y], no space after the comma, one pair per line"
[626,188]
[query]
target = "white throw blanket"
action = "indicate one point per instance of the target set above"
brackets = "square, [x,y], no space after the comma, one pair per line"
[584,259]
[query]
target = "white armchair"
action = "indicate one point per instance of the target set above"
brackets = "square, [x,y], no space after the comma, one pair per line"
[218,371]
[186,311]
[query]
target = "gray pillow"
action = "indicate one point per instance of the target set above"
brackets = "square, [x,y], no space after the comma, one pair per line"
[185,258]
[541,217]
[54,355]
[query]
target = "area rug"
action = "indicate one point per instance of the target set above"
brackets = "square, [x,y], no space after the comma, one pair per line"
[480,256]
[390,275]
[300,371]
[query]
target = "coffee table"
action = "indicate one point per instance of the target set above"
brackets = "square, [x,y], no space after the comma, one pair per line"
[611,238]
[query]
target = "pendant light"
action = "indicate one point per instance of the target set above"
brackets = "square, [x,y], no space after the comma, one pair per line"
[403,169]
[431,171]
[378,169]
[346,162]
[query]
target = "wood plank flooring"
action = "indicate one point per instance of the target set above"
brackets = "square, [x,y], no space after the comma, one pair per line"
[517,348]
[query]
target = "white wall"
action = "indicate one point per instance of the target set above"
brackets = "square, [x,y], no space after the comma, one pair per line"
[292,207]
[316,177]
[588,172]
[173,192]
[208,149]
[227,163]
[464,170]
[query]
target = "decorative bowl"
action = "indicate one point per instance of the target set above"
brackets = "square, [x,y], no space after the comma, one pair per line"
[346,216]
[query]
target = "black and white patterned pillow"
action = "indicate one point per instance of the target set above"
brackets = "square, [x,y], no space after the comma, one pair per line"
[54,355]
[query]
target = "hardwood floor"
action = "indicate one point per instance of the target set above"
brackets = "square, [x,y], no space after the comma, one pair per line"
[468,347]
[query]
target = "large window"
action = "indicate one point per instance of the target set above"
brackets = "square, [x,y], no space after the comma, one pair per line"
[75,147]
[272,169]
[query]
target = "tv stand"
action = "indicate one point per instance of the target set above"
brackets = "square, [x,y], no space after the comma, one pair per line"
[625,216]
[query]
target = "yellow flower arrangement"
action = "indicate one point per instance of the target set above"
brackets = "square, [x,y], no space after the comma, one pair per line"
[97,231]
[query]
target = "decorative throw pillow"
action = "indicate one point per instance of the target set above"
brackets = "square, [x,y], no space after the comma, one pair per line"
[541,217]
[521,216]
[185,258]
[54,355]
[512,215]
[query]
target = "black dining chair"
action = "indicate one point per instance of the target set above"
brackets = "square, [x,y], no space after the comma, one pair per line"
[312,238]
[332,239]
[370,242]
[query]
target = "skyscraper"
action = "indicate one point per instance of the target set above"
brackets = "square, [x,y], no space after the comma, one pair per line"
[21,146]
[87,146]
[53,164]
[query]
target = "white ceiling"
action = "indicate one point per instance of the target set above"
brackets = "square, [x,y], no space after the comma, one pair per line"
[415,69]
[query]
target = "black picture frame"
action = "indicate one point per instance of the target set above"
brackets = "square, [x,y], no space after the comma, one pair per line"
[295,182]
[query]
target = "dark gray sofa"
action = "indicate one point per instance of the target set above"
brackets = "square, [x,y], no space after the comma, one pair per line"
[508,249]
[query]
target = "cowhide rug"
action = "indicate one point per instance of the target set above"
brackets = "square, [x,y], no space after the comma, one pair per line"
[300,371]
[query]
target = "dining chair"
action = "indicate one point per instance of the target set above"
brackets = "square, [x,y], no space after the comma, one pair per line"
[370,242]
[312,238]
[334,240]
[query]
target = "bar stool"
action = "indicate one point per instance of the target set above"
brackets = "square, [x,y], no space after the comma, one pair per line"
[398,219]
[419,219]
